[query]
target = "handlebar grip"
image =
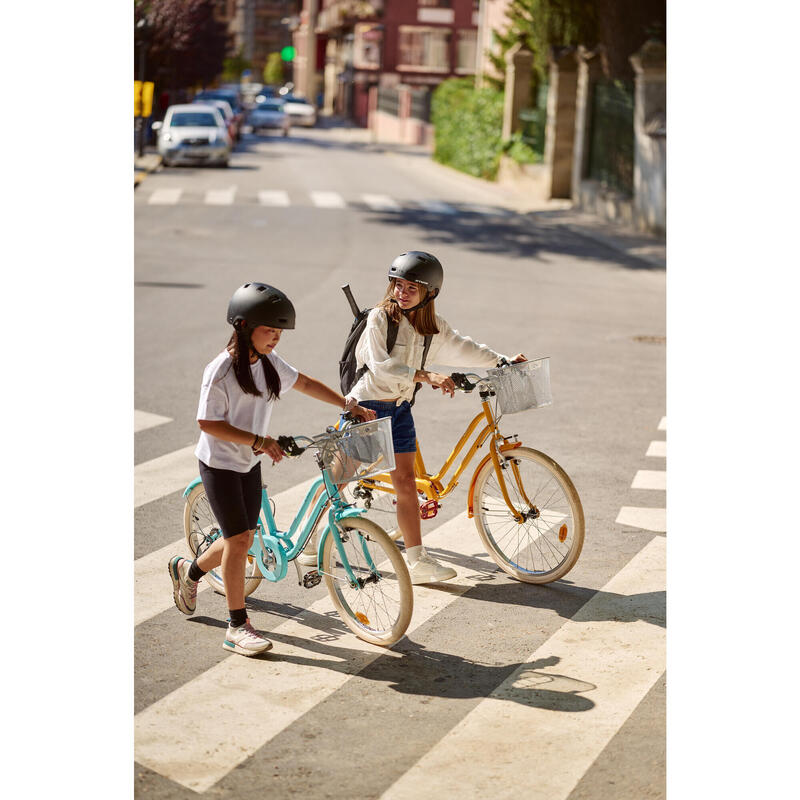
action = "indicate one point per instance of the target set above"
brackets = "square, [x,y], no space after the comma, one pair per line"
[462,382]
[290,446]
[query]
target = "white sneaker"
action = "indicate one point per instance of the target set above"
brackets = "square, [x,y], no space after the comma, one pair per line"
[426,569]
[245,640]
[308,558]
[184,589]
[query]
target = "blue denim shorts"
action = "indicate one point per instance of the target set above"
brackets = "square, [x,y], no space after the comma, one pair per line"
[404,434]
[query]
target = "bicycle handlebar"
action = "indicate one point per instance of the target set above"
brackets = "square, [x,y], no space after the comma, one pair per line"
[462,379]
[290,444]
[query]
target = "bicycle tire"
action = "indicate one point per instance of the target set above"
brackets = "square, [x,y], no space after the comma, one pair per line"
[378,612]
[531,551]
[382,508]
[201,529]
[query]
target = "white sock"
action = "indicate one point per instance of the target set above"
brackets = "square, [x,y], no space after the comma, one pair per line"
[413,553]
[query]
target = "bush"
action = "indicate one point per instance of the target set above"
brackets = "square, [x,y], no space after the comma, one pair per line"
[521,151]
[468,126]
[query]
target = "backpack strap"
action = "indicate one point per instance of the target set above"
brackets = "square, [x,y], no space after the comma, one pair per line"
[425,349]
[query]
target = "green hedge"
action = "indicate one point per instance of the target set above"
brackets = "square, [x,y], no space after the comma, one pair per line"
[468,125]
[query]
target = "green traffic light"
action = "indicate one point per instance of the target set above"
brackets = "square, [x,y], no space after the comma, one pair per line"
[288,54]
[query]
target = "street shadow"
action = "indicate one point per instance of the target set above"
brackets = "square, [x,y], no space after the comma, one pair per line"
[168,285]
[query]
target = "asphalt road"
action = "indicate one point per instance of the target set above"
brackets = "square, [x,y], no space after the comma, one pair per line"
[560,688]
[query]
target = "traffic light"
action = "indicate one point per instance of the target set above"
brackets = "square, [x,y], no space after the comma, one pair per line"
[288,53]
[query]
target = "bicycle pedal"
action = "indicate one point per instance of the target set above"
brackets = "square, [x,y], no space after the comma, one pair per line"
[429,510]
[311,579]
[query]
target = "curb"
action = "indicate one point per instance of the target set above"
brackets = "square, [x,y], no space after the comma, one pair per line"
[143,166]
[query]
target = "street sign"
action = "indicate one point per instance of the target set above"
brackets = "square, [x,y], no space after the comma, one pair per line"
[143,98]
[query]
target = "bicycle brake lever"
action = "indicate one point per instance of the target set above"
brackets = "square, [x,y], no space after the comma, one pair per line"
[461,382]
[290,446]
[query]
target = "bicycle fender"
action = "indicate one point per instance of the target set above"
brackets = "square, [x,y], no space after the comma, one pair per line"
[191,486]
[487,457]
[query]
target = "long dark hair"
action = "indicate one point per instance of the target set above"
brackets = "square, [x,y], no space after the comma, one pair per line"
[239,347]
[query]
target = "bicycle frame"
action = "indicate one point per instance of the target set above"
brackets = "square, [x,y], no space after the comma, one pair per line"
[431,486]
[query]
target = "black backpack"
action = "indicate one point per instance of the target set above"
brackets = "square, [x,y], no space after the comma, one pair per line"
[349,374]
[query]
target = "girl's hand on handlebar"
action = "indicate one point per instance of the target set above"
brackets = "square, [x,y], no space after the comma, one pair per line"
[443,382]
[518,358]
[272,449]
[364,414]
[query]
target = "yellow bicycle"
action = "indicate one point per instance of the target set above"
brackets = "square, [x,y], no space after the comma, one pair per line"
[525,506]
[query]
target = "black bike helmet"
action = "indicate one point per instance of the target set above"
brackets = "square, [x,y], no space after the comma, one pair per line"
[421,268]
[259,304]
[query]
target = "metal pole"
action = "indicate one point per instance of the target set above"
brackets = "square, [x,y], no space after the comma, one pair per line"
[143,47]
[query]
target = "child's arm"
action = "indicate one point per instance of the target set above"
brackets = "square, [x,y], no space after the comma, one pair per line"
[228,433]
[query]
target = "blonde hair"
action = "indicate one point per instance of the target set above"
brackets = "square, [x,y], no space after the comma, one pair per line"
[423,320]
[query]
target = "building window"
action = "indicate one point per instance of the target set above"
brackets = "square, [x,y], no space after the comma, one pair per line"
[424,49]
[466,47]
[367,46]
[435,3]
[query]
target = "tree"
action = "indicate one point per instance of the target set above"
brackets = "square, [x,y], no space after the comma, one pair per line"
[233,67]
[273,70]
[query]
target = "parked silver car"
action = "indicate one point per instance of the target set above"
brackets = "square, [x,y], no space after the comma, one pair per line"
[193,133]
[300,111]
[269,114]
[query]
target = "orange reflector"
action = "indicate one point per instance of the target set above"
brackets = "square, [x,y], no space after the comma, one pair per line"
[562,533]
[362,618]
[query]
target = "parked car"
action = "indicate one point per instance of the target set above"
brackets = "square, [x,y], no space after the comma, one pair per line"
[230,96]
[300,111]
[193,133]
[233,121]
[270,114]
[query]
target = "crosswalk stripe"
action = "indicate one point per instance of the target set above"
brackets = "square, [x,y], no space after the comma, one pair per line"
[657,449]
[650,479]
[380,202]
[648,519]
[220,197]
[163,475]
[152,589]
[602,663]
[142,420]
[436,207]
[165,197]
[273,197]
[662,426]
[327,199]
[198,750]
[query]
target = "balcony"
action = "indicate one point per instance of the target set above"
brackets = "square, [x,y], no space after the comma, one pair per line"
[344,13]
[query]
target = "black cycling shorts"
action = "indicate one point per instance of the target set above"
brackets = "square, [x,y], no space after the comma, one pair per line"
[235,497]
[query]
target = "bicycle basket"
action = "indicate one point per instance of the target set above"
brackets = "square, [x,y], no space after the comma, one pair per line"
[359,451]
[522,386]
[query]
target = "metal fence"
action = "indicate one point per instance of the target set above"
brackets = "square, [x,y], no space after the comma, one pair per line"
[389,101]
[534,121]
[420,104]
[611,138]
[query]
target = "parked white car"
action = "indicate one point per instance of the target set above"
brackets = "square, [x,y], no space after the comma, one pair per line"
[193,133]
[270,114]
[300,111]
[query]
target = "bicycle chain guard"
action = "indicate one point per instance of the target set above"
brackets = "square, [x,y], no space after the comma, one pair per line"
[271,557]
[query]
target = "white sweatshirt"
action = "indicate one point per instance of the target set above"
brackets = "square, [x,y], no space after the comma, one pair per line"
[392,375]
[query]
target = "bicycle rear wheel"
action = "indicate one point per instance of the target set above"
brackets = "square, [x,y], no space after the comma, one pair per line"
[546,545]
[202,529]
[381,506]
[377,608]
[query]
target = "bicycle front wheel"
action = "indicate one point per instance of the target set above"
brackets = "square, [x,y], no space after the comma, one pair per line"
[546,544]
[202,530]
[377,605]
[381,506]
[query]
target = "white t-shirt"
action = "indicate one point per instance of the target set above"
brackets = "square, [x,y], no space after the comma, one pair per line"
[221,398]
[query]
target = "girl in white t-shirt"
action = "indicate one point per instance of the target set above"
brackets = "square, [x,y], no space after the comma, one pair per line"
[387,385]
[240,387]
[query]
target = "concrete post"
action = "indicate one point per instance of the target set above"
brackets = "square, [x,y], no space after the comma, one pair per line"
[329,77]
[518,87]
[650,137]
[309,83]
[559,137]
[589,70]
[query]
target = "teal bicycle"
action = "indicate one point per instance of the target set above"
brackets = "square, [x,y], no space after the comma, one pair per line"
[364,572]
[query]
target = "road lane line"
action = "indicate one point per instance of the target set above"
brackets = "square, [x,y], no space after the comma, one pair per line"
[197,750]
[163,475]
[152,588]
[657,449]
[273,197]
[650,479]
[662,426]
[220,197]
[165,197]
[436,207]
[547,723]
[327,199]
[648,519]
[380,202]
[142,420]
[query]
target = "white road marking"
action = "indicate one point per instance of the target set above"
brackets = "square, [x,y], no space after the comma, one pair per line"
[165,197]
[273,197]
[648,519]
[436,207]
[197,750]
[220,197]
[650,479]
[380,202]
[657,449]
[327,199]
[163,475]
[142,420]
[152,587]
[597,668]
[662,426]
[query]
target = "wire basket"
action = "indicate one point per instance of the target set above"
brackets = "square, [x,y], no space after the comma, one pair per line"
[359,451]
[522,386]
